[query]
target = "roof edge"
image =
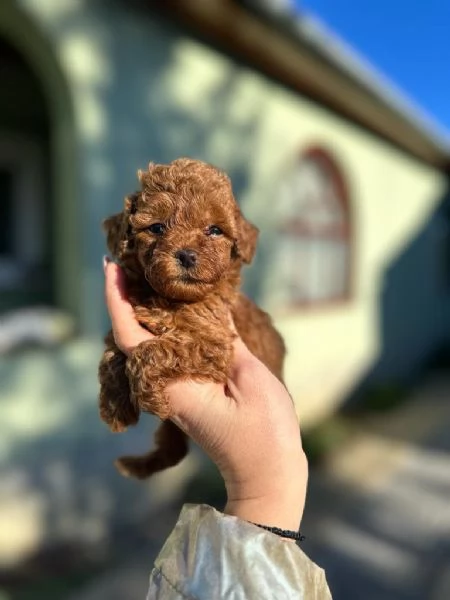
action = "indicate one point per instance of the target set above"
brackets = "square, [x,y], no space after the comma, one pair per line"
[348,60]
[295,56]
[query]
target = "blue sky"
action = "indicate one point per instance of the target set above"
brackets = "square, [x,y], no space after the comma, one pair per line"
[409,42]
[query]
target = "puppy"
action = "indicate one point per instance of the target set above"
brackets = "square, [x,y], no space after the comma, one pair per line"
[182,241]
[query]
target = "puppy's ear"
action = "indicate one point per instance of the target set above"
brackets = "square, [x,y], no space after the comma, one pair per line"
[247,236]
[114,227]
[118,229]
[130,204]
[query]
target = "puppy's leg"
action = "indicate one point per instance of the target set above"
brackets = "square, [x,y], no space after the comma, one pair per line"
[115,405]
[151,366]
[155,363]
[145,369]
[171,447]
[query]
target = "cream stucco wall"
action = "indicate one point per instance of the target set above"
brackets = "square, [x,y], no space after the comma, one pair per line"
[391,195]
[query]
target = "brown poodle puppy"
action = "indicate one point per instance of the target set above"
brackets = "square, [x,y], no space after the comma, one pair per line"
[182,241]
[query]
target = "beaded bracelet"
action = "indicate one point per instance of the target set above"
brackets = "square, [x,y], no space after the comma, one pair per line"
[286,533]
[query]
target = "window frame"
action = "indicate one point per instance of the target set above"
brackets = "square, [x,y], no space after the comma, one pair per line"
[324,156]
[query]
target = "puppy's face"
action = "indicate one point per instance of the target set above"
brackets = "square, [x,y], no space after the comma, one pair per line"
[185,229]
[184,244]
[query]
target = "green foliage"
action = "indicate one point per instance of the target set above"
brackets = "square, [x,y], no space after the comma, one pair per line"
[383,398]
[325,437]
[51,587]
[206,487]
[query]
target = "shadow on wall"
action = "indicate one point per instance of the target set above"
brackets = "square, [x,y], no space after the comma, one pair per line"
[158,97]
[166,107]
[144,104]
[414,309]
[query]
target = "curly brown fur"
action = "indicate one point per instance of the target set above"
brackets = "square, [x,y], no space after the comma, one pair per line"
[182,241]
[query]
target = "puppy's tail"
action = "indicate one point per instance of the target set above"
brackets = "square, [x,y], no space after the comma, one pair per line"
[171,448]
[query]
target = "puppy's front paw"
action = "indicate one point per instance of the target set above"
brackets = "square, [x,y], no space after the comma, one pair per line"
[149,368]
[117,427]
[118,418]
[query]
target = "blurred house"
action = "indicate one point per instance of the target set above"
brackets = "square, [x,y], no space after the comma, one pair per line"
[347,183]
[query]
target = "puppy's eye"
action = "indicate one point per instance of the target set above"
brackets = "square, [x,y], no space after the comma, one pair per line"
[157,228]
[214,230]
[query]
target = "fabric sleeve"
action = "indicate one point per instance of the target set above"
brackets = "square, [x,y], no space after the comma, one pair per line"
[212,556]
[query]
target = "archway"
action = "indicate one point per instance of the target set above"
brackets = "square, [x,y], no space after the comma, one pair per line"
[39,256]
[26,228]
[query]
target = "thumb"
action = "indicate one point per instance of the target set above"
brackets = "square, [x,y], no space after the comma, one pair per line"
[127,332]
[193,401]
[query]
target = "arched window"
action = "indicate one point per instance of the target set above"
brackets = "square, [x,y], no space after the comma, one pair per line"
[314,233]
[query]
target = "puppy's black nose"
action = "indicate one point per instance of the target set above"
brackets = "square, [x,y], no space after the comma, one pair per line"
[186,257]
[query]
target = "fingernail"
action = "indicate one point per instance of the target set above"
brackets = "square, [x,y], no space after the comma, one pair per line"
[106,261]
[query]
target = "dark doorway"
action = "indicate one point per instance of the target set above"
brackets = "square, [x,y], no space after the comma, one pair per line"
[26,236]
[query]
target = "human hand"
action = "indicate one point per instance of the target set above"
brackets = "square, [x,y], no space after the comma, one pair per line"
[248,427]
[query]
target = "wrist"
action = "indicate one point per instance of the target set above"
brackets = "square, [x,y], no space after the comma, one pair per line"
[258,510]
[278,503]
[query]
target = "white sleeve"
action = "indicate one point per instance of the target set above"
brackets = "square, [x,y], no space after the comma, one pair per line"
[212,556]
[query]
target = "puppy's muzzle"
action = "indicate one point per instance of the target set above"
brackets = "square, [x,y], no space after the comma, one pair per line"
[186,257]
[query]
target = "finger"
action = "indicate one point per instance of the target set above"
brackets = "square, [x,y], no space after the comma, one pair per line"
[115,293]
[127,331]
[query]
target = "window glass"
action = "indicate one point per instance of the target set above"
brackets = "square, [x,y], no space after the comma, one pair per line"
[312,256]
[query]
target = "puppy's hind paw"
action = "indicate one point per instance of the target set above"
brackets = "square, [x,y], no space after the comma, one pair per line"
[132,466]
